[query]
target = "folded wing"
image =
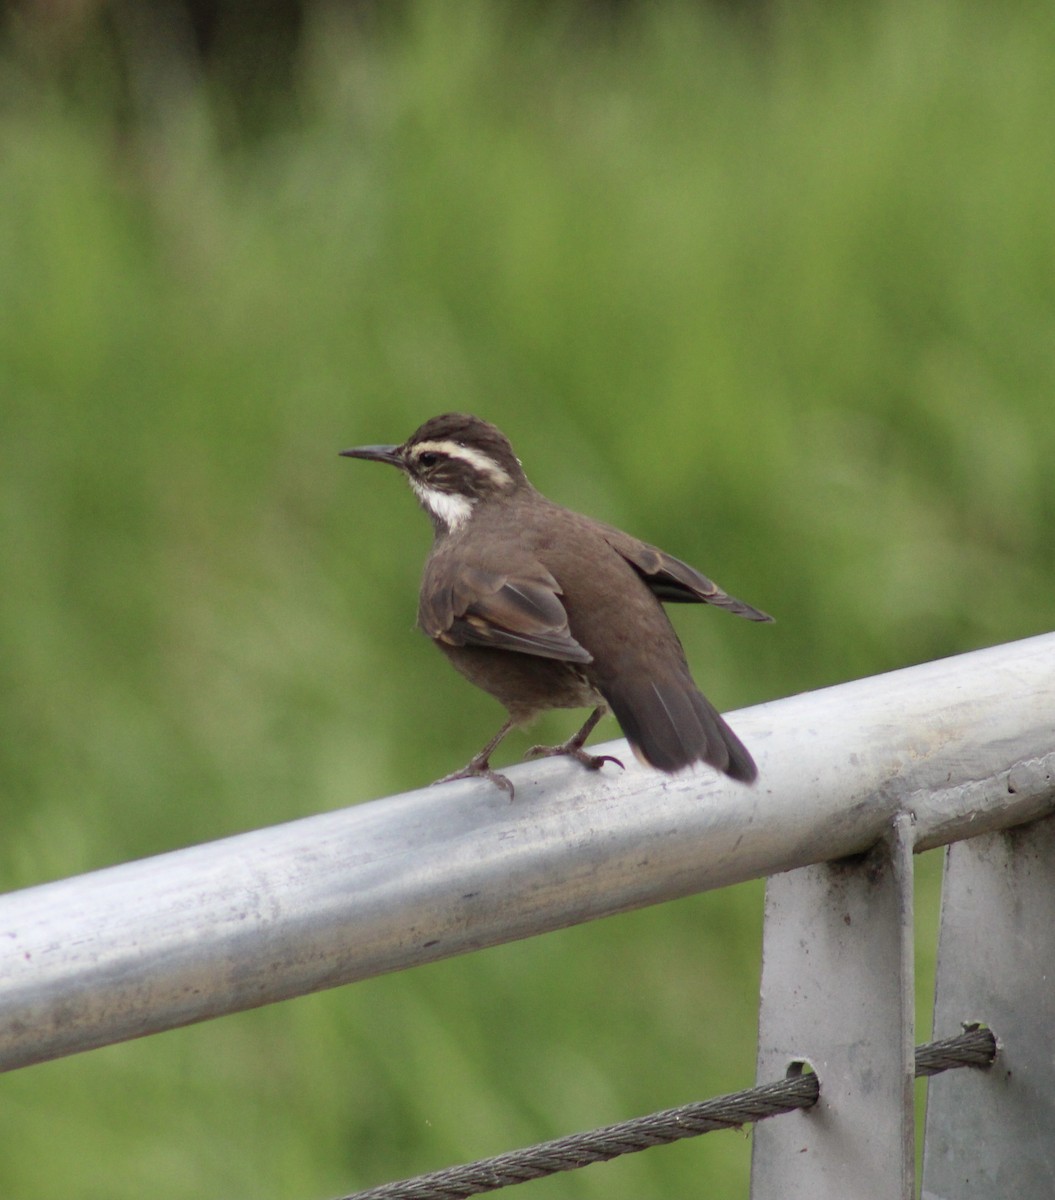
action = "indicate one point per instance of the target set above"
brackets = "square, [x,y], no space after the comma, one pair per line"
[673,581]
[505,612]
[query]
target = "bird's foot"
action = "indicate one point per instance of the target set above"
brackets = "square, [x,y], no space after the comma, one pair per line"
[573,749]
[480,769]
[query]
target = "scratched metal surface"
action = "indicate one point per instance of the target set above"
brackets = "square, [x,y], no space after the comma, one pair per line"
[963,745]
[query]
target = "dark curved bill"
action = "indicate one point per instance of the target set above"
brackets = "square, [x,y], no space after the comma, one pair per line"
[385,454]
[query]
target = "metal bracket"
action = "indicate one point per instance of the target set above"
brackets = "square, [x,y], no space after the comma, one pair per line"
[838,993]
[991,1134]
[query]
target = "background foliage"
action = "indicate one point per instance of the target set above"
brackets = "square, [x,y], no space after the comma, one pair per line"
[772,287]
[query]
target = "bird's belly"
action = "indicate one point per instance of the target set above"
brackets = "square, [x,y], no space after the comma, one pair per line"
[524,683]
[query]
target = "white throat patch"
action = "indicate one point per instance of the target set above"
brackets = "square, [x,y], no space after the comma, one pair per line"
[450,510]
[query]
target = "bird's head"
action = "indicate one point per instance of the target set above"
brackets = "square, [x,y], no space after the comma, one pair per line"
[452,462]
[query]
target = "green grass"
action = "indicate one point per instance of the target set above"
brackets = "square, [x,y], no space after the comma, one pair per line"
[780,298]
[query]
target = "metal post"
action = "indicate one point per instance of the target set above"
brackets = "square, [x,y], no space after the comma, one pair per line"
[991,1134]
[837,993]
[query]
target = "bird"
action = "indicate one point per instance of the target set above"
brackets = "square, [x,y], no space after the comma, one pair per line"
[543,607]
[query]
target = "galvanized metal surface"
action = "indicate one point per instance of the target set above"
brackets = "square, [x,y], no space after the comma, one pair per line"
[837,991]
[990,1134]
[963,745]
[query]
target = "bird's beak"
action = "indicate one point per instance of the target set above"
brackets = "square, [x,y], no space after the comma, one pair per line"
[385,454]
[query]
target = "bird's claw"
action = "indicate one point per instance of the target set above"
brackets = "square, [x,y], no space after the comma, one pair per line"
[592,762]
[475,770]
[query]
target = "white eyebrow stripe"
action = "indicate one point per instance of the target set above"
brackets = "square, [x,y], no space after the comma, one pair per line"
[475,458]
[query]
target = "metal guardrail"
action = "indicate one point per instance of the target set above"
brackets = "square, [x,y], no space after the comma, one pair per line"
[878,768]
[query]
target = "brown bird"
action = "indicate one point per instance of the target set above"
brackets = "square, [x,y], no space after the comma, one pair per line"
[545,608]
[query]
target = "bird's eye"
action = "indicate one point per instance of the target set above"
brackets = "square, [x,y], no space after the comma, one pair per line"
[428,459]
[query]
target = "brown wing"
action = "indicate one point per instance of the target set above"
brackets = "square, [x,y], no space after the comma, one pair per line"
[477,607]
[673,581]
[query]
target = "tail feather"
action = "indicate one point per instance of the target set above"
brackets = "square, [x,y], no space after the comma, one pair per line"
[671,726]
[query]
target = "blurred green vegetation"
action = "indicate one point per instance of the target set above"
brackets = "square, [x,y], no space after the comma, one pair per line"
[777,294]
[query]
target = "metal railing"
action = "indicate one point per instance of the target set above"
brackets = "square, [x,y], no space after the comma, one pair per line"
[853,780]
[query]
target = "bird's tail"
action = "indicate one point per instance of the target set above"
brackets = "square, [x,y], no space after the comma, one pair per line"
[671,725]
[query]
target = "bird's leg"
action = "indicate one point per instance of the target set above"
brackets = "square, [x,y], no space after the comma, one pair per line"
[479,766]
[573,746]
